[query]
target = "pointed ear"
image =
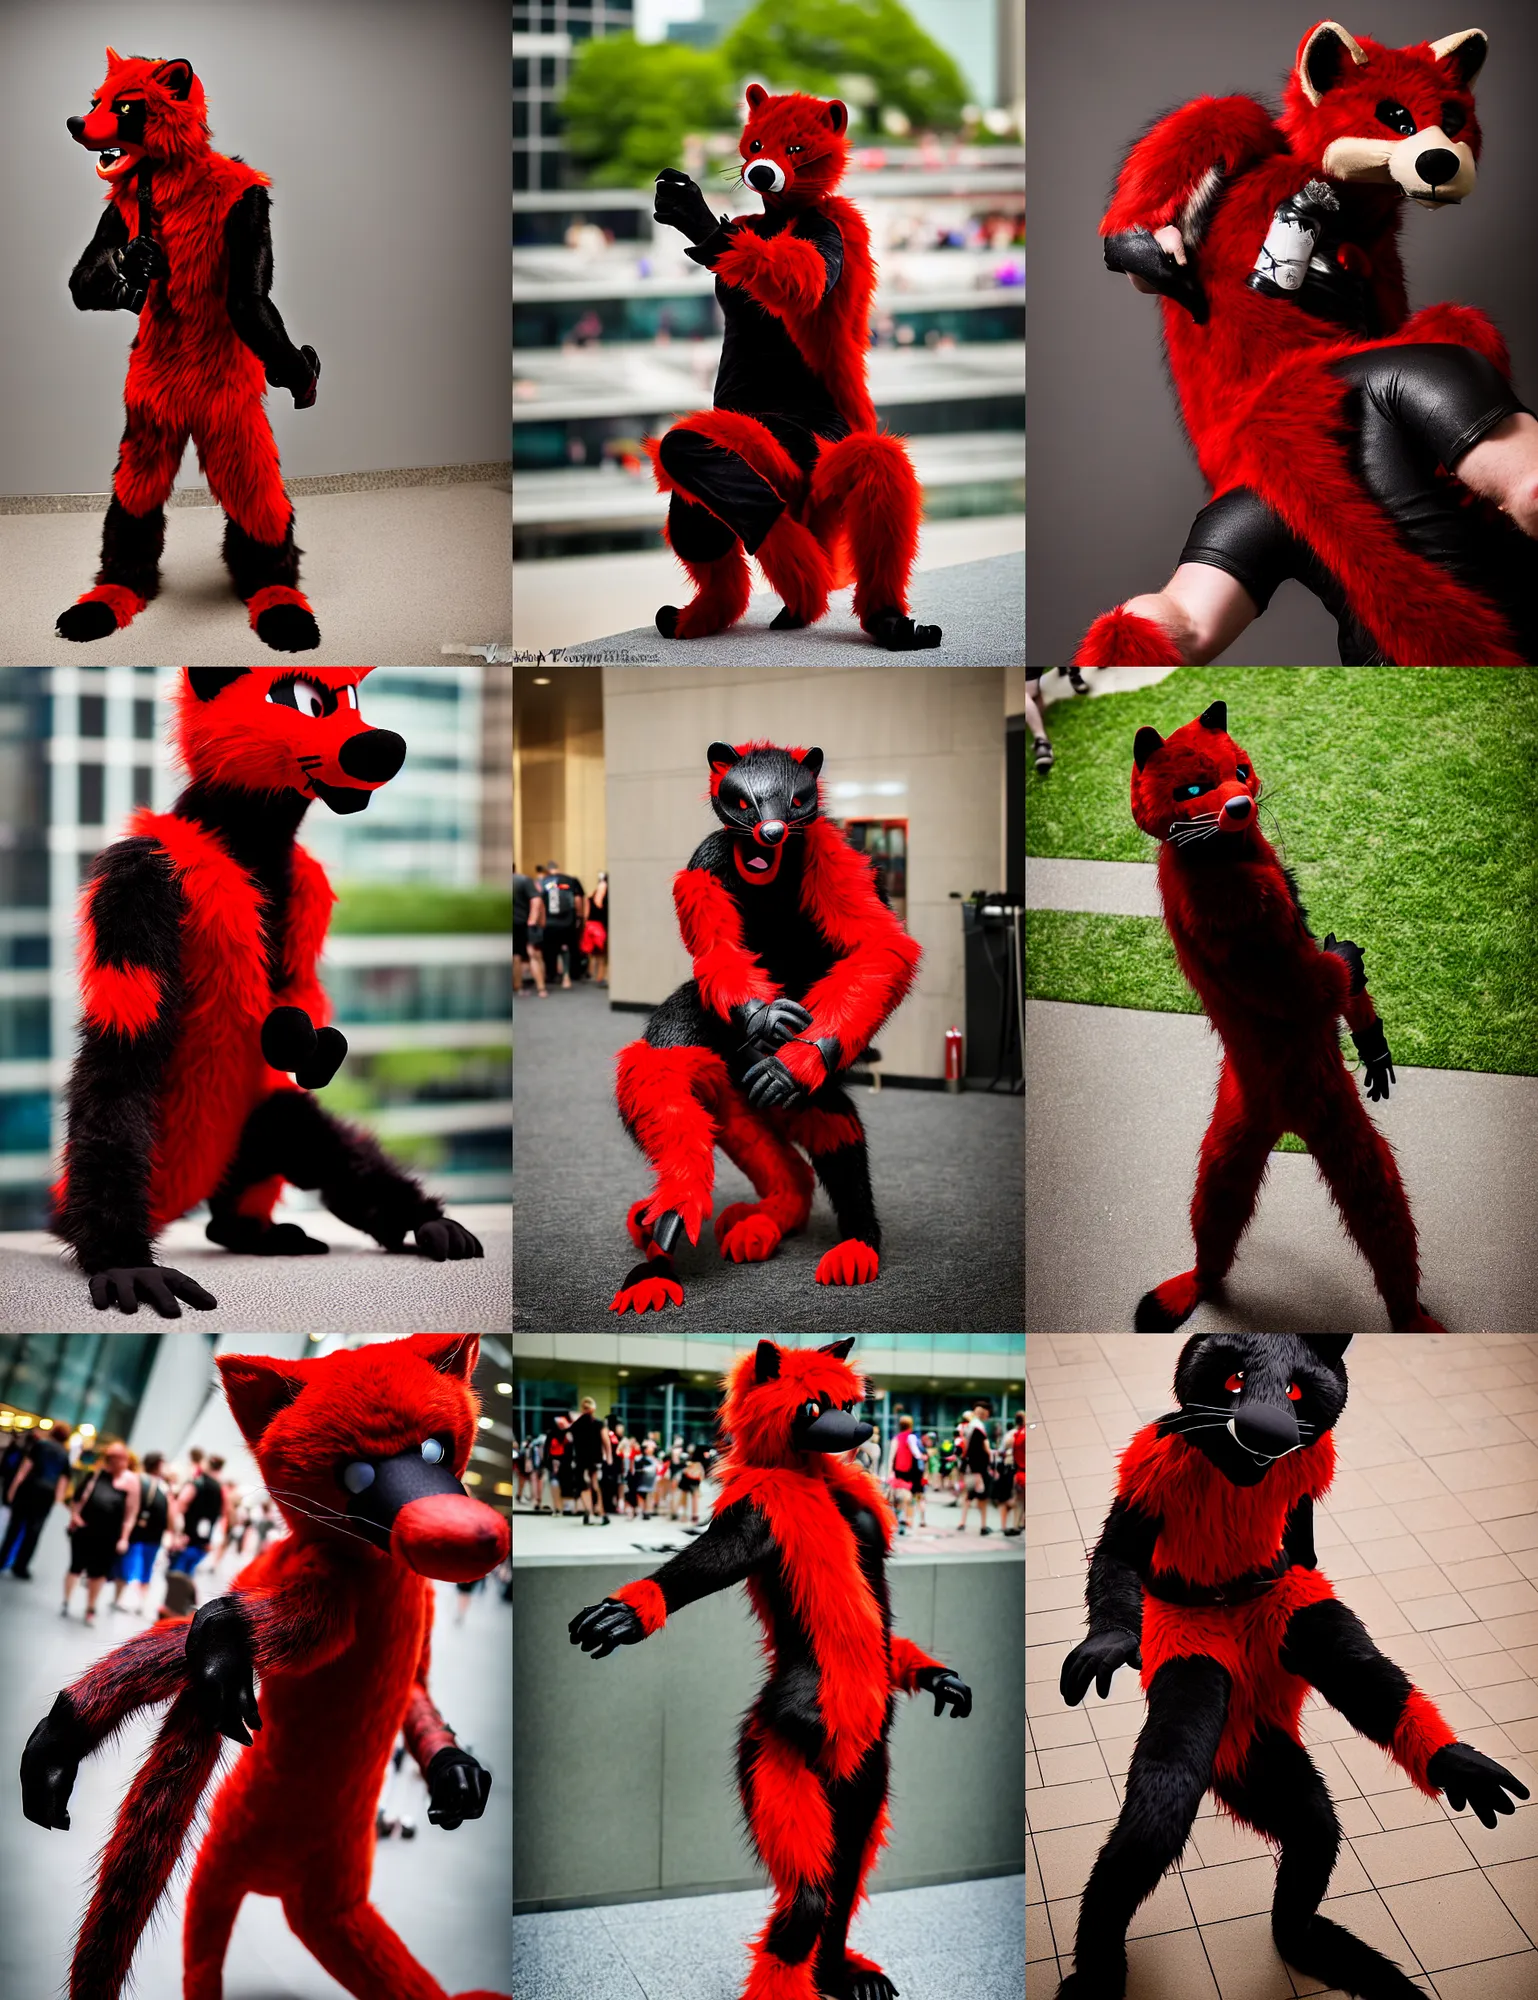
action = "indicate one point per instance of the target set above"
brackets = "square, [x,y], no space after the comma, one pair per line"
[1144,745]
[839,1349]
[812,759]
[114,60]
[756,95]
[721,756]
[1215,717]
[206,682]
[257,1387]
[1322,57]
[176,77]
[1330,1347]
[1464,53]
[838,115]
[450,1353]
[766,1362]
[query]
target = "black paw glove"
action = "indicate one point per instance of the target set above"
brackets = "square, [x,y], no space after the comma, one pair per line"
[124,1286]
[1468,1776]
[139,263]
[1136,252]
[292,1042]
[603,1627]
[1377,1063]
[304,391]
[457,1788]
[770,1022]
[770,1086]
[681,206]
[1096,1659]
[1343,948]
[49,1766]
[446,1242]
[947,1688]
[221,1667]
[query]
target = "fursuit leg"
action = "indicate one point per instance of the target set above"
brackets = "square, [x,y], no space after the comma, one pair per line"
[1171,1769]
[859,1833]
[749,1231]
[134,531]
[357,1947]
[829,1128]
[864,485]
[1359,1169]
[240,1218]
[743,508]
[713,556]
[1235,1154]
[214,1897]
[668,1100]
[790,1822]
[240,457]
[1281,1794]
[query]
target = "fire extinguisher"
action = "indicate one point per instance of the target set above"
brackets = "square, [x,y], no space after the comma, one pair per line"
[953,1059]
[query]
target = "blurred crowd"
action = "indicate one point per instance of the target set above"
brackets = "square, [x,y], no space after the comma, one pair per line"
[560,932]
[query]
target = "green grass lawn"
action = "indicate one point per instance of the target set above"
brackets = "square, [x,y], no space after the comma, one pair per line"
[1405,800]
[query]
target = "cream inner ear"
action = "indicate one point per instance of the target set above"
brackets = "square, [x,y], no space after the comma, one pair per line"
[1359,159]
[1352,46]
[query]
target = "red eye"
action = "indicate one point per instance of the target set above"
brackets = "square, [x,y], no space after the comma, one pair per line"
[1235,1383]
[1294,1393]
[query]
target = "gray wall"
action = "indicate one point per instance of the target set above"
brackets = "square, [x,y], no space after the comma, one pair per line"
[624,1769]
[385,127]
[1113,485]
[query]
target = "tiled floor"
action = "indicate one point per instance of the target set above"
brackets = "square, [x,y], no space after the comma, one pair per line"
[1430,1534]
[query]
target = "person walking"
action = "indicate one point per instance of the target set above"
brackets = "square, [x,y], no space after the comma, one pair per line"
[528,915]
[558,1453]
[592,1454]
[199,1510]
[100,1523]
[646,1469]
[595,932]
[565,913]
[690,1479]
[907,1471]
[137,1563]
[1015,1455]
[976,1467]
[40,1482]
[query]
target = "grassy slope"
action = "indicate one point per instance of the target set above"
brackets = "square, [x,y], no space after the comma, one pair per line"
[1404,799]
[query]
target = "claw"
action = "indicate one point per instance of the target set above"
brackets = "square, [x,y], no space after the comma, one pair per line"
[647,1295]
[849,1263]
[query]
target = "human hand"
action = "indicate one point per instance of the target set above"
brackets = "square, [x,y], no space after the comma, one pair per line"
[1096,1659]
[681,206]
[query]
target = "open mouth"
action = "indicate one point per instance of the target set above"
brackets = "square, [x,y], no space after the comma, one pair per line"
[112,162]
[756,866]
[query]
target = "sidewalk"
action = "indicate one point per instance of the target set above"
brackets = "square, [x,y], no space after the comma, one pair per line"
[1119,1099]
[1430,1534]
[1114,888]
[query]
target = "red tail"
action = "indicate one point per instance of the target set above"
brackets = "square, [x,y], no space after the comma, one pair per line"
[146,1844]
[1120,638]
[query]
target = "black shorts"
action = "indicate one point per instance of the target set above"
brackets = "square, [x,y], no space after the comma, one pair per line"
[520,940]
[92,1553]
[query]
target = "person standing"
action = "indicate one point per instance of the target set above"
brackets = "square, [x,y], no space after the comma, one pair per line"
[565,913]
[1014,1453]
[39,1482]
[906,1472]
[528,915]
[690,1480]
[976,1467]
[199,1511]
[137,1564]
[595,932]
[592,1455]
[100,1523]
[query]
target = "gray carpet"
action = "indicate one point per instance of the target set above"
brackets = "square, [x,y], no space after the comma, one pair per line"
[393,575]
[979,607]
[962,1938]
[946,1173]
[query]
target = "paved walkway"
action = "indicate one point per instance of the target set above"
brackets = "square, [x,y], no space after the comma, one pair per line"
[355,1288]
[1118,1100]
[963,1938]
[1104,680]
[1114,888]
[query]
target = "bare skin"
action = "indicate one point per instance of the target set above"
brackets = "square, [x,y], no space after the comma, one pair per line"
[1203,610]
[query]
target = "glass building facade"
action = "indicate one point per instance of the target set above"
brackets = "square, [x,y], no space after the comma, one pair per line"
[546,39]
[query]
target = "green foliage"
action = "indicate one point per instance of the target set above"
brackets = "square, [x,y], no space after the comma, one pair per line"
[628,105]
[1400,797]
[404,909]
[812,44]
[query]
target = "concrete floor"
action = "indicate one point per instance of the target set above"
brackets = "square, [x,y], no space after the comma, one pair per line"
[1117,1103]
[979,607]
[1430,1534]
[1115,888]
[445,1893]
[963,1938]
[394,576]
[355,1288]
[946,1173]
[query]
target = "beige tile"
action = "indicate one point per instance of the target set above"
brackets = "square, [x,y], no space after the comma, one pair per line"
[1441,1510]
[1463,1472]
[1519,1532]
[1069,1725]
[1510,1701]
[1424,1580]
[1481,1670]
[1066,1558]
[1083,1804]
[1405,1807]
[1526,1658]
[1033,1888]
[1348,1877]
[1504,1503]
[1368,1524]
[1333,1770]
[1454,1642]
[1514,1978]
[1519,1631]
[1245,1961]
[1038,1934]
[1075,1761]
[1041,1980]
[1063,1628]
[1171,1963]
[1044,1663]
[1435,1677]
[1432,1614]
[1372,1768]
[1058,1593]
[1165,1910]
[1524,1734]
[1514,1837]
[1066,1857]
[1412,1854]
[1358,1815]
[1456,1545]
[1503,1600]
[1454,1920]
[1463,1710]
[1366,1916]
[1526,1560]
[1516,1883]
[1219,1840]
[1394,1552]
[1238,1889]
[1477,1572]
[1414,1478]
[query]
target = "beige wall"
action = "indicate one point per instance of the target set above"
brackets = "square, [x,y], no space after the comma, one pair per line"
[937,732]
[558,782]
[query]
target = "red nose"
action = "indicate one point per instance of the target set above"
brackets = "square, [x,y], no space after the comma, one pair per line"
[451,1536]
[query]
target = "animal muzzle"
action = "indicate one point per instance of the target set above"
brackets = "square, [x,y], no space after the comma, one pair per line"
[1265,1429]
[450,1536]
[1431,168]
[1238,811]
[834,1430]
[765,177]
[364,762]
[770,832]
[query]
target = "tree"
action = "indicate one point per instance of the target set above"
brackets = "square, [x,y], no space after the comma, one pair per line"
[628,105]
[812,44]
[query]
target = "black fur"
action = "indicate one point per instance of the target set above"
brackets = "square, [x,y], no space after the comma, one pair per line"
[95,283]
[1265,1419]
[253,565]
[248,247]
[695,534]
[1328,1645]
[131,546]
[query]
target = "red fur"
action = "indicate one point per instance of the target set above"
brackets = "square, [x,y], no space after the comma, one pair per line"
[878,959]
[795,565]
[908,1661]
[340,1631]
[822,1131]
[648,1603]
[1420,1735]
[864,489]
[1120,638]
[665,1096]
[124,604]
[710,925]
[1275,998]
[1254,384]
[722,589]
[124,998]
[851,1262]
[746,436]
[784,274]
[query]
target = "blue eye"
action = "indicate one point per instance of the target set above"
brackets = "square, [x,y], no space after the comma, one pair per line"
[432,1451]
[1188,792]
[358,1476]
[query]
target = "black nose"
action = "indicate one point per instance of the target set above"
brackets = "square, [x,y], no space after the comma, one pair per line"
[761,177]
[1267,1428]
[76,129]
[1239,810]
[1437,166]
[375,755]
[772,831]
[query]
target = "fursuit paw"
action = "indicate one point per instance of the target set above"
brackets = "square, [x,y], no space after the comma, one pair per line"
[1420,1321]
[648,1287]
[49,1766]
[458,1786]
[124,1286]
[1107,1983]
[786,620]
[1469,1777]
[287,628]
[858,1979]
[848,1263]
[291,1042]
[746,1235]
[90,619]
[250,1236]
[896,632]
[602,1628]
[446,1242]
[1168,1305]
[221,1665]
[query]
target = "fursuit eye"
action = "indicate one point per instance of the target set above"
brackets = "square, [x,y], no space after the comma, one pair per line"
[1235,1382]
[1294,1393]
[811,1409]
[1243,774]
[432,1451]
[1454,119]
[1396,118]
[755,146]
[795,149]
[358,1476]
[1188,791]
[350,696]
[122,107]
[308,697]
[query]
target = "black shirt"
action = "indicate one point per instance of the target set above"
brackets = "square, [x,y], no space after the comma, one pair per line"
[524,892]
[587,1440]
[560,893]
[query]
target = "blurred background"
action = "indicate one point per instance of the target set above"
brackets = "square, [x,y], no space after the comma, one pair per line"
[417,964]
[616,334]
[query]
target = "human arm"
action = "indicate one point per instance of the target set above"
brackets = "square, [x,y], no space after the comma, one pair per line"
[458,1784]
[1113,1594]
[792,272]
[736,1542]
[248,248]
[131,1494]
[710,924]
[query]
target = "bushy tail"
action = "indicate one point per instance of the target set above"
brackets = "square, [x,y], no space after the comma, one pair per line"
[1325,1951]
[1120,638]
[145,1845]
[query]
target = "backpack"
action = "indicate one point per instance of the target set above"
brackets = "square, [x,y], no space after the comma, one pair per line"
[902,1456]
[560,904]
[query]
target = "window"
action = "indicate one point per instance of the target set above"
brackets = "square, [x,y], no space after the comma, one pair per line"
[520,72]
[31,954]
[581,31]
[92,790]
[144,722]
[885,841]
[144,780]
[93,715]
[550,171]
[547,72]
[550,120]
[24,1122]
[520,119]
[23,1030]
[520,171]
